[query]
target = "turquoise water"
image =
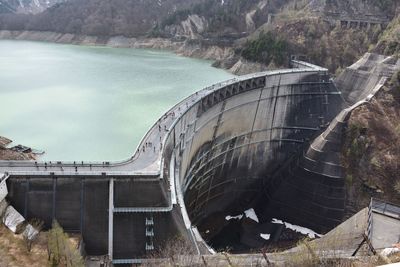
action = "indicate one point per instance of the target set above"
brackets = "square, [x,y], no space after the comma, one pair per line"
[91,103]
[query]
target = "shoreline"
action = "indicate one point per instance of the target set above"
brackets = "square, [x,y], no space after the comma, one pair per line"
[7,153]
[179,47]
[224,57]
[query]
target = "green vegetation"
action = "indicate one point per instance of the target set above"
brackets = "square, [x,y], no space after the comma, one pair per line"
[319,41]
[61,251]
[355,143]
[395,84]
[389,41]
[397,186]
[349,180]
[266,49]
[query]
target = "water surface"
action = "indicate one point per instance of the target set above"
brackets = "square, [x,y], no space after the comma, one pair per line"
[91,103]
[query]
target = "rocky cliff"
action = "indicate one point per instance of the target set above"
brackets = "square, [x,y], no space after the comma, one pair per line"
[8,154]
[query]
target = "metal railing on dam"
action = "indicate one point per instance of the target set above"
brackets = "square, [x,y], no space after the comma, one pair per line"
[210,155]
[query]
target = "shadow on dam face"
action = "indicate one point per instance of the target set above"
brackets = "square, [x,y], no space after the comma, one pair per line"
[275,149]
[239,144]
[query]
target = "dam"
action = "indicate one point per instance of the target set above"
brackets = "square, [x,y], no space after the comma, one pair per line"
[268,141]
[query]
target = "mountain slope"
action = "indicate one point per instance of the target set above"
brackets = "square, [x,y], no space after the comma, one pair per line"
[371,153]
[236,18]
[389,41]
[26,6]
[191,19]
[99,17]
[332,33]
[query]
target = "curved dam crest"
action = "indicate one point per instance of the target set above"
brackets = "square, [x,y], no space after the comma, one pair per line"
[250,142]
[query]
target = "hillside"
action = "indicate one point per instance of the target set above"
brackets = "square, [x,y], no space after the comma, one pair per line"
[97,17]
[314,38]
[178,18]
[371,153]
[389,41]
[26,6]
[172,18]
[13,251]
[331,33]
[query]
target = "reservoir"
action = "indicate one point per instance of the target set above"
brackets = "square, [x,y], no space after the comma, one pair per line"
[91,103]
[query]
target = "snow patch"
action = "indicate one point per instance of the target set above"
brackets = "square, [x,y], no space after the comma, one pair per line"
[238,217]
[389,251]
[3,189]
[300,229]
[12,218]
[265,236]
[222,2]
[251,214]
[30,232]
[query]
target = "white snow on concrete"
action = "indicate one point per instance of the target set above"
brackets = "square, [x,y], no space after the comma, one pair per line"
[251,214]
[30,232]
[237,217]
[12,218]
[265,236]
[3,189]
[277,221]
[389,251]
[300,229]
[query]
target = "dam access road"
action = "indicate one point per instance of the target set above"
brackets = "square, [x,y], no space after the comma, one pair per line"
[218,152]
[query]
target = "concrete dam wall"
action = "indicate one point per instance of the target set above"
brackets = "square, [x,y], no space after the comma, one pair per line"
[246,143]
[319,168]
[229,152]
[81,205]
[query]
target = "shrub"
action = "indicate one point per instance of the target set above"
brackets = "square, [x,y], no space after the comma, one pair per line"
[177,252]
[397,186]
[266,49]
[31,232]
[61,251]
